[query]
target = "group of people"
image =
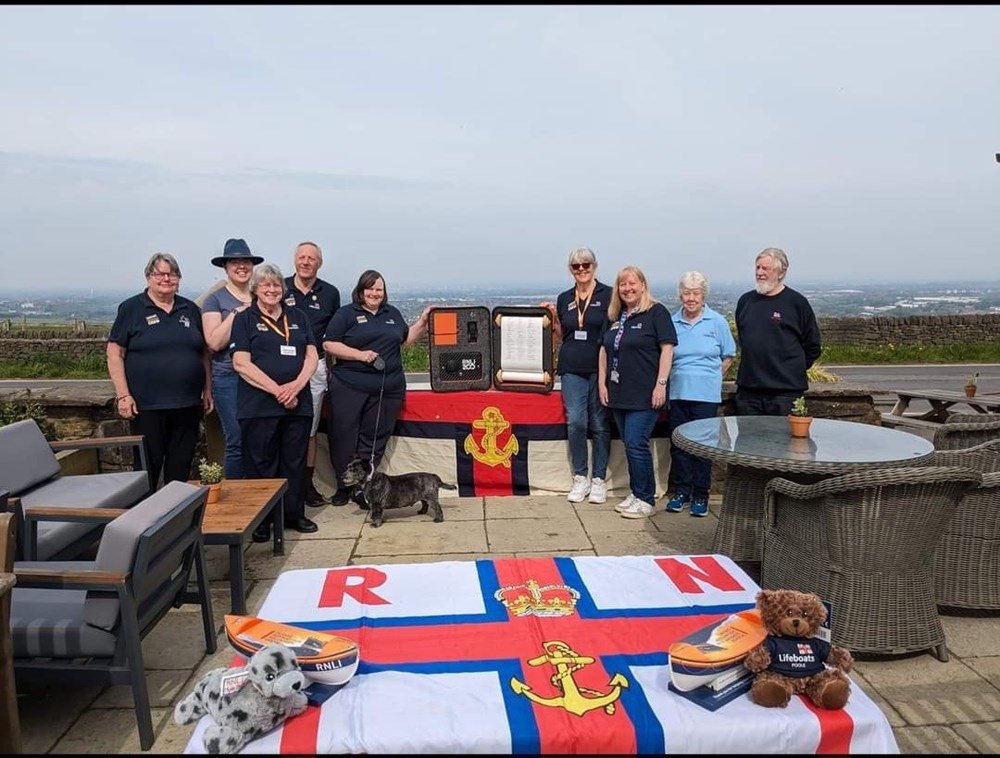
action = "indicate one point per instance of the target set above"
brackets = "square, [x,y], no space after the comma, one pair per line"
[263,351]
[623,356]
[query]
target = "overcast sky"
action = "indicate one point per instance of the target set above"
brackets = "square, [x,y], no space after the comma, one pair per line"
[478,145]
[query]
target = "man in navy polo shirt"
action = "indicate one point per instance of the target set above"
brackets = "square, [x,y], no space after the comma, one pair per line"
[319,300]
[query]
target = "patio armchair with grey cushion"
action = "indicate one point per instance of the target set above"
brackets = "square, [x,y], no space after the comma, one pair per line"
[865,542]
[967,560]
[30,478]
[85,620]
[963,430]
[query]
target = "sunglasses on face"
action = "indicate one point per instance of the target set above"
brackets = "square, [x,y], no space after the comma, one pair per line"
[580,266]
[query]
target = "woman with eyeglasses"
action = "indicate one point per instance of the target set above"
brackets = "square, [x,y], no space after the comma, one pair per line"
[159,365]
[274,354]
[367,383]
[219,311]
[581,313]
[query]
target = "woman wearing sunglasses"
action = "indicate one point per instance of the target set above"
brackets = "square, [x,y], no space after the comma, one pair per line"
[581,314]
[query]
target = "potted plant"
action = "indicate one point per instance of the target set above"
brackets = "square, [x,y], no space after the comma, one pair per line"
[211,474]
[971,384]
[799,419]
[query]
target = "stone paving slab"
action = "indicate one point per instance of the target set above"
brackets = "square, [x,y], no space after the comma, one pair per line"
[549,535]
[262,563]
[403,536]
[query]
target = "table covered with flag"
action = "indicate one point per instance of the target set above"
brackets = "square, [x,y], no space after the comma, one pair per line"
[536,655]
[491,442]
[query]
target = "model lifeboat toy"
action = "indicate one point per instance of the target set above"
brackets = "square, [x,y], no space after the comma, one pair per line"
[715,650]
[324,658]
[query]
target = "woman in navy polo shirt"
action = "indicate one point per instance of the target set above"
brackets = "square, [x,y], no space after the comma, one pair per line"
[159,365]
[367,383]
[274,353]
[582,315]
[633,370]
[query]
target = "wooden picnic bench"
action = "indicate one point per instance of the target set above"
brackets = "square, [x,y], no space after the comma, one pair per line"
[941,403]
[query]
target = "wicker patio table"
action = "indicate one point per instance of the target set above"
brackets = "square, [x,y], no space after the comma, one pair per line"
[758,448]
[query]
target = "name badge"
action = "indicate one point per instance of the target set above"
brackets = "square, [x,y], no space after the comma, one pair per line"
[614,377]
[288,350]
[580,334]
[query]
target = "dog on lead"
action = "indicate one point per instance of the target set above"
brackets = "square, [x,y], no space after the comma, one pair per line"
[381,491]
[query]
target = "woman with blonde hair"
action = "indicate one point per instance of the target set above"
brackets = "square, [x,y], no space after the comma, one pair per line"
[633,369]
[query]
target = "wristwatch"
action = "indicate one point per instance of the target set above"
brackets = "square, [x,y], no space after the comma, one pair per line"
[662,382]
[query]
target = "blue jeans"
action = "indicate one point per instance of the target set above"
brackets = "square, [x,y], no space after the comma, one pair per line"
[584,411]
[224,392]
[635,428]
[692,476]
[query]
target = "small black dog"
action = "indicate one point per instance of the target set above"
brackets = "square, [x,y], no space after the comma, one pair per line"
[382,491]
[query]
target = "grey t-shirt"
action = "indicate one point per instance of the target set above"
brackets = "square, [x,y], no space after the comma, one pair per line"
[221,301]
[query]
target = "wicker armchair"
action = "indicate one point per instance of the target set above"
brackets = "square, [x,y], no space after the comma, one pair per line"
[865,542]
[963,430]
[967,560]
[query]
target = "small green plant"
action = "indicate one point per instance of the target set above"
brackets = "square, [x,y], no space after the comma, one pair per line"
[973,379]
[210,472]
[19,410]
[799,407]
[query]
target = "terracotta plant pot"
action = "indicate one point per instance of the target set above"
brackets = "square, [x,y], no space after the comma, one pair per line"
[970,390]
[799,425]
[213,492]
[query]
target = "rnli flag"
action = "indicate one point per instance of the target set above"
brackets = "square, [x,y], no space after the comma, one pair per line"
[500,443]
[536,655]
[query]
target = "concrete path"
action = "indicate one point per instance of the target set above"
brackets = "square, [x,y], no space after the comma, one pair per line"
[933,707]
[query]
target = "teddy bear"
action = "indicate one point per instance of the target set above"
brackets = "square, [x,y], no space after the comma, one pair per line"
[246,702]
[790,660]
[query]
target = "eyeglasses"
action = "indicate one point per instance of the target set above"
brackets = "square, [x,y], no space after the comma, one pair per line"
[164,275]
[585,266]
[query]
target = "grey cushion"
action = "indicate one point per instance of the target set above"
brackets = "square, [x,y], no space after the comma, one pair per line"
[120,539]
[50,623]
[25,457]
[112,490]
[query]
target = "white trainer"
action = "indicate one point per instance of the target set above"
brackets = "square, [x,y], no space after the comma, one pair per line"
[598,491]
[638,509]
[581,486]
[625,504]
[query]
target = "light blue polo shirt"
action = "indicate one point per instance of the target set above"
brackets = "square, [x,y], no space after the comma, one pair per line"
[696,372]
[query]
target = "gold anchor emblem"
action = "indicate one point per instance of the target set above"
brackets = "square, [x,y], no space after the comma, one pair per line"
[493,423]
[575,699]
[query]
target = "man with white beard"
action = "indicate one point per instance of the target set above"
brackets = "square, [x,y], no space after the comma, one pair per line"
[779,340]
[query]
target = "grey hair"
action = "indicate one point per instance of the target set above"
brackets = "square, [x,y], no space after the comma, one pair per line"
[692,280]
[319,252]
[777,255]
[263,272]
[582,255]
[166,258]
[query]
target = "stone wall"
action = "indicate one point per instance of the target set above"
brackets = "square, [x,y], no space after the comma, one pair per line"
[911,330]
[13,349]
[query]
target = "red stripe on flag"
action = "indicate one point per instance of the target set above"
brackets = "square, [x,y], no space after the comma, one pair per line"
[299,735]
[466,407]
[492,480]
[836,729]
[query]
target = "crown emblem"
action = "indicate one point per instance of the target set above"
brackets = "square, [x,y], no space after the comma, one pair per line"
[530,599]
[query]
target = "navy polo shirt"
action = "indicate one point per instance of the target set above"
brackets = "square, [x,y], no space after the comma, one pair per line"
[253,333]
[384,332]
[638,357]
[797,656]
[163,352]
[579,356]
[319,303]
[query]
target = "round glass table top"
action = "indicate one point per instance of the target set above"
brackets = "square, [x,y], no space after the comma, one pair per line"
[767,442]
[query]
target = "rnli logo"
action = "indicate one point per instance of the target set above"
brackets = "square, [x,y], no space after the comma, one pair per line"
[532,599]
[489,450]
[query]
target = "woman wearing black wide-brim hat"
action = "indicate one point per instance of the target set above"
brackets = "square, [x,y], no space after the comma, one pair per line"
[218,312]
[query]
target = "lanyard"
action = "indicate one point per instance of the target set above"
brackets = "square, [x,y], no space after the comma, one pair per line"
[273,326]
[618,340]
[581,310]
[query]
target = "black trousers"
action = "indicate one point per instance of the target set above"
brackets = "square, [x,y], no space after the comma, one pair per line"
[354,417]
[757,403]
[275,448]
[170,437]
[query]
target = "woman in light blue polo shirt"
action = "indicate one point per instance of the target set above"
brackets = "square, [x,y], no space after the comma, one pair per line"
[705,349]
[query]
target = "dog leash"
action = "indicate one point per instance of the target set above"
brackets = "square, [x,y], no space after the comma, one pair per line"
[378,415]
